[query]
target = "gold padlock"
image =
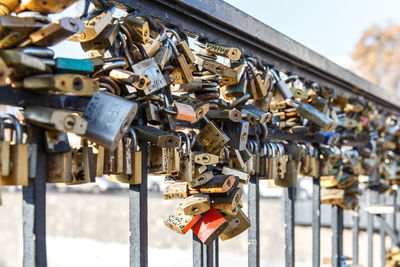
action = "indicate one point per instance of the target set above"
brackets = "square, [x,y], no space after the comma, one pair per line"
[18,172]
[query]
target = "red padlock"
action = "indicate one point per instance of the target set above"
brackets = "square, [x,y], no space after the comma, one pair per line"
[211,225]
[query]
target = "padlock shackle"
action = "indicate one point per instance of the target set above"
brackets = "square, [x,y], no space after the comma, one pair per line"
[132,134]
[16,124]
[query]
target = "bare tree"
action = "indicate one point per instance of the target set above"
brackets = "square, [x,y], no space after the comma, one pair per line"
[377,56]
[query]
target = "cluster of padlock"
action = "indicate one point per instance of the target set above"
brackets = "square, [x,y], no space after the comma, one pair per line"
[209,116]
[392,257]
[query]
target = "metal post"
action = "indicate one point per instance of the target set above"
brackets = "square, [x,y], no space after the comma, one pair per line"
[373,194]
[316,222]
[393,216]
[34,209]
[208,254]
[216,252]
[197,252]
[388,229]
[289,199]
[382,234]
[254,217]
[138,217]
[337,231]
[356,231]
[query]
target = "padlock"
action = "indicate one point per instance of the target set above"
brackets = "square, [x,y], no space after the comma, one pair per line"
[114,161]
[60,120]
[184,112]
[257,89]
[210,226]
[219,184]
[211,138]
[157,159]
[202,179]
[94,25]
[138,28]
[333,196]
[186,161]
[55,33]
[44,7]
[63,84]
[239,89]
[108,118]
[59,157]
[230,52]
[180,222]
[176,191]
[238,133]
[243,177]
[182,73]
[18,157]
[200,108]
[281,86]
[196,204]
[229,76]
[205,158]
[236,160]
[233,115]
[237,224]
[15,29]
[156,136]
[6,7]
[58,167]
[315,116]
[130,78]
[23,63]
[230,202]
[104,40]
[259,115]
[150,69]
[99,160]
[71,65]
[183,47]
[282,161]
[82,168]
[131,172]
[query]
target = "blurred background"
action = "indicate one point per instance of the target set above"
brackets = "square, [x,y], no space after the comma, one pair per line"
[87,225]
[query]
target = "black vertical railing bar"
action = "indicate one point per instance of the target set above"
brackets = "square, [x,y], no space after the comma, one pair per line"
[289,201]
[316,223]
[382,233]
[337,231]
[138,217]
[216,253]
[197,252]
[34,209]
[208,254]
[392,217]
[356,232]
[254,217]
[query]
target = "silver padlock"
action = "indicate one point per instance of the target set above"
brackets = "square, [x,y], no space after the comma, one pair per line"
[108,118]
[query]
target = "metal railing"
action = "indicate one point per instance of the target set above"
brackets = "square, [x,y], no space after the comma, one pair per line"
[218,21]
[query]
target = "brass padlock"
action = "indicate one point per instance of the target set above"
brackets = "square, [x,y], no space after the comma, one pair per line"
[18,170]
[176,191]
[94,26]
[63,84]
[230,52]
[218,184]
[44,7]
[83,169]
[55,33]
[8,6]
[138,28]
[180,222]
[186,161]
[211,138]
[230,202]
[59,157]
[60,120]
[196,204]
[237,224]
